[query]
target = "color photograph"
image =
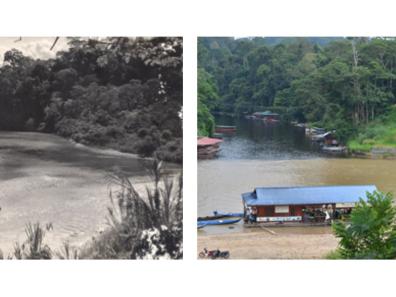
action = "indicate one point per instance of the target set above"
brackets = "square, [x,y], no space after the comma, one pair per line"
[91,148]
[296,147]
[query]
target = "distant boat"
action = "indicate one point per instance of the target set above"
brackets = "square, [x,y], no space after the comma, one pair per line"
[218,222]
[225,129]
[266,116]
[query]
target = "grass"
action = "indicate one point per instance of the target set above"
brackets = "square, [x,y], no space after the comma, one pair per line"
[378,134]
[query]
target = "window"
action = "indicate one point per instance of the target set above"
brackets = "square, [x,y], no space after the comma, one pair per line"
[282,209]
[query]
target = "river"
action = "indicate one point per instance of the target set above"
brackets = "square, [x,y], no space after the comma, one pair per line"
[277,155]
[45,178]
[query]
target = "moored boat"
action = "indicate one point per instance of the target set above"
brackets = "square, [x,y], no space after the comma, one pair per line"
[214,217]
[219,222]
[200,225]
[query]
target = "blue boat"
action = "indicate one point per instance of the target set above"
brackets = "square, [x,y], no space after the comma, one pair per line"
[200,225]
[228,214]
[218,222]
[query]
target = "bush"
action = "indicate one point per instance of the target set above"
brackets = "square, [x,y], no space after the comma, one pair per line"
[142,227]
[371,233]
[145,147]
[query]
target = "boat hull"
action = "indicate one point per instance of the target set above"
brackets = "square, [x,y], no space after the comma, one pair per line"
[219,222]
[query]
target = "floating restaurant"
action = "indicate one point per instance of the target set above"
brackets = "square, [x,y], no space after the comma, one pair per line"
[302,204]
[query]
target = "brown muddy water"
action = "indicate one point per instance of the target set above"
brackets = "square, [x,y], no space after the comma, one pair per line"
[47,179]
[260,155]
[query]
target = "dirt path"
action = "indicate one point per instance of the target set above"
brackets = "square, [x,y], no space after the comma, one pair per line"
[264,245]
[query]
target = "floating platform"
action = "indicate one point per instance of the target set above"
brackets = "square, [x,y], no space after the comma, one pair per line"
[208,147]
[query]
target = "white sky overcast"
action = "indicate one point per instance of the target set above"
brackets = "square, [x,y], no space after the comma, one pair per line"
[36,47]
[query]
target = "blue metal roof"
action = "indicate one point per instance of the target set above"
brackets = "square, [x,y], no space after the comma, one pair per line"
[307,195]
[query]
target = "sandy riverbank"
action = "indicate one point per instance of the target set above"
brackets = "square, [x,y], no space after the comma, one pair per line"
[261,244]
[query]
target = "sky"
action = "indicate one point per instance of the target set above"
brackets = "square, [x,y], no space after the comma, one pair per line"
[35,47]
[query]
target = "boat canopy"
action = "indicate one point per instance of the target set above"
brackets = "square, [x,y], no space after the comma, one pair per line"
[307,195]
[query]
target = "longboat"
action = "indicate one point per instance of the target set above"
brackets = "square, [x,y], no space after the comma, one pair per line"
[219,222]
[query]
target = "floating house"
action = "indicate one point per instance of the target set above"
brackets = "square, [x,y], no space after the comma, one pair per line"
[291,204]
[208,147]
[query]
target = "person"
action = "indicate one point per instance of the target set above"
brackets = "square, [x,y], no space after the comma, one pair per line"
[254,214]
[327,217]
[330,211]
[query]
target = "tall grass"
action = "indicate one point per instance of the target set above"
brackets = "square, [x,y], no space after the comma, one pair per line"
[33,248]
[142,226]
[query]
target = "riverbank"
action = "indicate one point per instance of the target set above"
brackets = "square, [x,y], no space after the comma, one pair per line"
[376,139]
[262,244]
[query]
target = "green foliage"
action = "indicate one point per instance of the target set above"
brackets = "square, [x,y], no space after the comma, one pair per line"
[99,92]
[371,232]
[208,100]
[378,134]
[315,80]
[206,123]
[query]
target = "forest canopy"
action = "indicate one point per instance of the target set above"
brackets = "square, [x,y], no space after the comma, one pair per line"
[124,93]
[337,83]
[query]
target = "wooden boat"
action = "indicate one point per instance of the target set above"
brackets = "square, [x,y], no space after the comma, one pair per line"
[219,222]
[215,217]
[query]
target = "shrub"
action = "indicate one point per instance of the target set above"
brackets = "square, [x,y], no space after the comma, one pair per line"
[371,232]
[142,227]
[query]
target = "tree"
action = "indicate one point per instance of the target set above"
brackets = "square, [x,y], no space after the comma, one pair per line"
[100,91]
[371,232]
[208,99]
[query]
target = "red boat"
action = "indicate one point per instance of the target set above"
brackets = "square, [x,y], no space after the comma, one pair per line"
[225,129]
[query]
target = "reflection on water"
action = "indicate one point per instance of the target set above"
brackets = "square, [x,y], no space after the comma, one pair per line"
[45,178]
[256,140]
[277,156]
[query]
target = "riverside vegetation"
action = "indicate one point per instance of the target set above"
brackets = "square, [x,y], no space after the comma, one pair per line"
[140,227]
[371,231]
[342,84]
[123,93]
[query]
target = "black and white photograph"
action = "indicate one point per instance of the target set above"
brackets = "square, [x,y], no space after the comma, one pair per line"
[91,148]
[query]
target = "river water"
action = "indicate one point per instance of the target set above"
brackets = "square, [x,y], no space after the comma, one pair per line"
[47,179]
[277,155]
